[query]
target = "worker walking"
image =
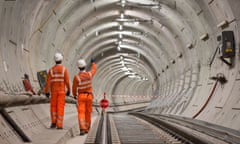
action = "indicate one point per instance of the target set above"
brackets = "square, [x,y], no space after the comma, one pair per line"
[58,82]
[82,91]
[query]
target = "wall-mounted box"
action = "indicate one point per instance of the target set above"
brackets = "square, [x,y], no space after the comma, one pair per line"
[228,44]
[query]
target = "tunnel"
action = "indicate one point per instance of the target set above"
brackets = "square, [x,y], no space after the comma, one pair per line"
[171,57]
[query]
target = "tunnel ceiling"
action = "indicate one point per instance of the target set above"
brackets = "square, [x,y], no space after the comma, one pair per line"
[136,43]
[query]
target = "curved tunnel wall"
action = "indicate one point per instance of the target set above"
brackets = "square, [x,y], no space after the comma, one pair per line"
[177,60]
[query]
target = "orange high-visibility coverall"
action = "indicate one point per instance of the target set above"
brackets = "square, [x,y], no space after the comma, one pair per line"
[57,81]
[82,89]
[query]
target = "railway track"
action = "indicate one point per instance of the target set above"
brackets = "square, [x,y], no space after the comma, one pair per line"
[139,128]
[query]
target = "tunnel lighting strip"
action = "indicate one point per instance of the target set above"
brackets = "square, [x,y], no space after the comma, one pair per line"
[124,3]
[122,69]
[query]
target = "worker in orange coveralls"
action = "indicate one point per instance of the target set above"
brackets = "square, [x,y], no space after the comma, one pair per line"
[57,81]
[82,91]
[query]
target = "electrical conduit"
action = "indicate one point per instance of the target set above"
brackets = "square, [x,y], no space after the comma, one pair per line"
[210,96]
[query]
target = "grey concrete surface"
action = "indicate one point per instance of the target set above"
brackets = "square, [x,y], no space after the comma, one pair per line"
[80,139]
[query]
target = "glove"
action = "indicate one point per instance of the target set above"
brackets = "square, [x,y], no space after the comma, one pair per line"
[47,95]
[68,93]
[93,60]
[75,98]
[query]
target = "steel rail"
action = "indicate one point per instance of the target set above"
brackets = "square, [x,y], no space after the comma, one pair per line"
[98,136]
[102,134]
[183,135]
[223,133]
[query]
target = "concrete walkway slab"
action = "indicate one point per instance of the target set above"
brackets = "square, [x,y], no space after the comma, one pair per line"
[81,139]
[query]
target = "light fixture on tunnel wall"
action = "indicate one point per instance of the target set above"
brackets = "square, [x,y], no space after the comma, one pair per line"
[96,33]
[129,73]
[124,69]
[204,37]
[131,76]
[5,66]
[123,3]
[136,76]
[121,57]
[138,55]
[120,27]
[119,48]
[223,24]
[122,15]
[120,36]
[131,4]
[144,79]
[132,20]
[132,32]
[189,45]
[136,23]
[122,62]
[118,42]
[173,61]
[180,55]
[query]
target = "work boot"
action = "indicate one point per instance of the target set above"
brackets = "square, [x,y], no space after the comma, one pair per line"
[59,128]
[53,126]
[86,131]
[82,132]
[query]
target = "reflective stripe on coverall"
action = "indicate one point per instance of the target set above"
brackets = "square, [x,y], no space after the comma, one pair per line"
[82,88]
[57,81]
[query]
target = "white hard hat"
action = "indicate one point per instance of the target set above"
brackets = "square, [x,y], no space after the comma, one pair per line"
[58,57]
[81,63]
